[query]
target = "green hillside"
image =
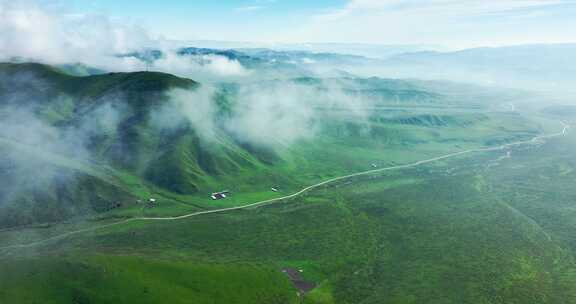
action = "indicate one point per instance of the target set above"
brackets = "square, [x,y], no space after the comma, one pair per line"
[419,235]
[80,157]
[105,149]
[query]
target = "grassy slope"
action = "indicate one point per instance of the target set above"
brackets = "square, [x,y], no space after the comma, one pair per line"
[417,236]
[132,279]
[63,186]
[137,161]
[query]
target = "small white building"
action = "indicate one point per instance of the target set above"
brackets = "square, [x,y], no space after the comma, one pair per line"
[219,195]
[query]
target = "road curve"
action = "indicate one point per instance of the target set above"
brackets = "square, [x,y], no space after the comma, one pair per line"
[565,129]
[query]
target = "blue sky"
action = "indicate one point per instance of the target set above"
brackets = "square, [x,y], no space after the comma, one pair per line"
[219,19]
[459,23]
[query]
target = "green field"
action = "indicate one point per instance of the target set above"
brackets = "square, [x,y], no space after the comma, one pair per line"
[126,157]
[483,227]
[418,235]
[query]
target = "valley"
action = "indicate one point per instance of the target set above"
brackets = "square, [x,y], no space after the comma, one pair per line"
[279,235]
[565,128]
[287,152]
[368,202]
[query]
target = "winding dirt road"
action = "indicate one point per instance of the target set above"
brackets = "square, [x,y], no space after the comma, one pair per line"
[565,129]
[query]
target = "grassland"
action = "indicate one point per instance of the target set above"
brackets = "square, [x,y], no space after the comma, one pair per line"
[457,231]
[488,227]
[135,160]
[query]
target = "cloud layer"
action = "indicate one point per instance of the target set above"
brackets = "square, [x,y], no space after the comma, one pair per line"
[36,31]
[30,30]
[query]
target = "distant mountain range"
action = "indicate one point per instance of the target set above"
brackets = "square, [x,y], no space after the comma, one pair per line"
[522,56]
[258,57]
[535,67]
[377,51]
[540,66]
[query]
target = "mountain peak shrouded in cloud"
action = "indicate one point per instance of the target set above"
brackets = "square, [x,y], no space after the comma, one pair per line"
[44,32]
[37,30]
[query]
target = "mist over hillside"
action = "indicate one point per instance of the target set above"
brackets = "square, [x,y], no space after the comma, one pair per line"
[174,133]
[537,68]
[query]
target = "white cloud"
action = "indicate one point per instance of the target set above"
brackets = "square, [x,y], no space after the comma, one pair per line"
[200,67]
[250,8]
[33,31]
[255,5]
[283,112]
[454,23]
[444,7]
[195,107]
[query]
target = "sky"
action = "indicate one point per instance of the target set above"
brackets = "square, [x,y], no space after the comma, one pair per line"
[458,23]
[449,23]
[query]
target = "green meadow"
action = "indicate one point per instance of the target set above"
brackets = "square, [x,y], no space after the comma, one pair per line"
[491,227]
